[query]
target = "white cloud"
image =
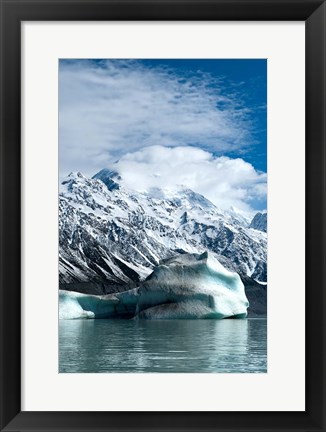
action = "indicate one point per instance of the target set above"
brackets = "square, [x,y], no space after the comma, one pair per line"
[121,106]
[224,181]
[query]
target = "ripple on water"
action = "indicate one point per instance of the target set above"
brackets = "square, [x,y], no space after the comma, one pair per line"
[224,346]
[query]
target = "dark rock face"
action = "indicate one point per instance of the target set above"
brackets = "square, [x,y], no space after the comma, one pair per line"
[110,238]
[260,272]
[96,288]
[108,177]
[259,222]
[257,296]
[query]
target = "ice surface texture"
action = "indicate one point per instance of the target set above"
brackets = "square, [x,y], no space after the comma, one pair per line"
[192,286]
[189,286]
[74,305]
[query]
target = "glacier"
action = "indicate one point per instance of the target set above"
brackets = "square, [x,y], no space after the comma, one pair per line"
[189,286]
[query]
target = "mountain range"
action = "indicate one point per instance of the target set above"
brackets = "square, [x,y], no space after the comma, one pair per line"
[112,237]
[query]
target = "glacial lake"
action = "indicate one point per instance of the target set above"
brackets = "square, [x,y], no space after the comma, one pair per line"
[216,346]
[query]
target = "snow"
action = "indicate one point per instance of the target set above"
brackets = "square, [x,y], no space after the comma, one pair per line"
[210,233]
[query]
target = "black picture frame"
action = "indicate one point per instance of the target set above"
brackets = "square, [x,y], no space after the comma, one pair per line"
[13,12]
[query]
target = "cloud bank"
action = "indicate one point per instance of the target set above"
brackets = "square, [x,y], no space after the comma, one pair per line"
[224,181]
[109,108]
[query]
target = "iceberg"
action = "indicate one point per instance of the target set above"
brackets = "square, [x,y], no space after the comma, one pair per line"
[192,286]
[189,286]
[74,305]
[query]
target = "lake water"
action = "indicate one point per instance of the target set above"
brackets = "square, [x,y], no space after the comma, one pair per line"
[225,346]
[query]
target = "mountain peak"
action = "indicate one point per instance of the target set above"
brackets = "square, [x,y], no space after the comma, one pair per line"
[109,178]
[75,174]
[259,222]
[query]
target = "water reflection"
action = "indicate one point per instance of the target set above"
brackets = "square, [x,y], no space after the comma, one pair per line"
[163,346]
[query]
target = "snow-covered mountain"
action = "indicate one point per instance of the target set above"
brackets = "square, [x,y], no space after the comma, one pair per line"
[259,222]
[109,233]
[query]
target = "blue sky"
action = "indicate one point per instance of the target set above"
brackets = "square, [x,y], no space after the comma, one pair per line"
[201,123]
[244,78]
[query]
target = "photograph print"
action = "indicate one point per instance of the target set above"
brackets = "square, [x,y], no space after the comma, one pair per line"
[162,215]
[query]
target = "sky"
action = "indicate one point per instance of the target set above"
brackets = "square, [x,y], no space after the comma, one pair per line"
[162,123]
